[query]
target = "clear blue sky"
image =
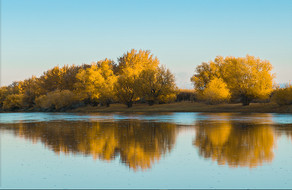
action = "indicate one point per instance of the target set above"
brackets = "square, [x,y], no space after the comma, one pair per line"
[39,34]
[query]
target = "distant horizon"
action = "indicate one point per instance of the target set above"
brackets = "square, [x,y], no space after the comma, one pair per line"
[38,35]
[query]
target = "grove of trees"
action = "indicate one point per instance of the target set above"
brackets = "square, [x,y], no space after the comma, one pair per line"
[246,78]
[138,76]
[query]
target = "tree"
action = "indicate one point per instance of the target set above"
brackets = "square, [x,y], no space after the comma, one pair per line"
[216,92]
[13,102]
[97,82]
[155,85]
[131,64]
[283,96]
[3,94]
[109,79]
[56,100]
[247,77]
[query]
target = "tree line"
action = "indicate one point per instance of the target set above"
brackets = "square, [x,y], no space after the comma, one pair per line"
[138,76]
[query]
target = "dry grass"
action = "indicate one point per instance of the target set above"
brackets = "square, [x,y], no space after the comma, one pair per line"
[190,107]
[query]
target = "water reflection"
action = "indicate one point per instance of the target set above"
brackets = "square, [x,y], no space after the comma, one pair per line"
[236,140]
[138,144]
[227,141]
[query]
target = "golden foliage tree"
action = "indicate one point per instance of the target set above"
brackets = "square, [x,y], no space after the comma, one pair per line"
[246,77]
[156,85]
[56,100]
[216,92]
[283,96]
[13,102]
[131,64]
[107,84]
[97,82]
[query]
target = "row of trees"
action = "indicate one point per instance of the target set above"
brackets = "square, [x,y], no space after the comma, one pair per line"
[137,76]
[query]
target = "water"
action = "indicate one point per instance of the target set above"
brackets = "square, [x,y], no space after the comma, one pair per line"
[158,150]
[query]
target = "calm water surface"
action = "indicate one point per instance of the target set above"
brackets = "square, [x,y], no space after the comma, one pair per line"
[159,150]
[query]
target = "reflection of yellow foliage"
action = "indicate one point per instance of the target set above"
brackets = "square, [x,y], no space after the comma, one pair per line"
[219,135]
[139,144]
[235,144]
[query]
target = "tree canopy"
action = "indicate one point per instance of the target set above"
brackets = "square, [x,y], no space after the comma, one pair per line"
[247,77]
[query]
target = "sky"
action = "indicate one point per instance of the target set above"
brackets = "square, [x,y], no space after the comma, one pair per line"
[38,35]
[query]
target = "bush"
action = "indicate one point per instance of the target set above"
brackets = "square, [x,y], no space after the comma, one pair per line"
[216,92]
[163,99]
[13,102]
[56,100]
[186,95]
[283,96]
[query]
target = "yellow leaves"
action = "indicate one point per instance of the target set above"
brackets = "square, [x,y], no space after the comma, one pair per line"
[216,92]
[283,96]
[56,100]
[13,101]
[97,82]
[246,77]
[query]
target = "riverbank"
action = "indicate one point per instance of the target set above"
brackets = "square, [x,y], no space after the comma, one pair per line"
[189,107]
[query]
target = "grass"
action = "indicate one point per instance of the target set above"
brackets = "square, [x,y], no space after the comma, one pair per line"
[190,107]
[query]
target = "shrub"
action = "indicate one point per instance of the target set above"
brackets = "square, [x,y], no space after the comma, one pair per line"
[216,92]
[13,102]
[186,95]
[283,96]
[162,99]
[56,100]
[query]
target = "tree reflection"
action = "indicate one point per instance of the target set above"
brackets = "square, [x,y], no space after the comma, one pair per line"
[285,129]
[234,143]
[139,144]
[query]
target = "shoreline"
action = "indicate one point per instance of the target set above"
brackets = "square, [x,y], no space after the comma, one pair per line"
[189,107]
[176,107]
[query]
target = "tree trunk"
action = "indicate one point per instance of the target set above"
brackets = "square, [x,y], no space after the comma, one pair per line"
[245,100]
[151,102]
[129,104]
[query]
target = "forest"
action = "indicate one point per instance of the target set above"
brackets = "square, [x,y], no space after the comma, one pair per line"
[139,78]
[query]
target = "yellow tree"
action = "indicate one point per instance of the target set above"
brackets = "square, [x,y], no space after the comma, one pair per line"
[131,64]
[3,94]
[97,82]
[109,79]
[155,85]
[216,92]
[247,77]
[88,83]
[51,79]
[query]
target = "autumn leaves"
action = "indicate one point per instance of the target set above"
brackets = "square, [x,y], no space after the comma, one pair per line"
[244,78]
[138,76]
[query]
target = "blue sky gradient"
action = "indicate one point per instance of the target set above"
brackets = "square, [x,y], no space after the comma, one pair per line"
[38,35]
